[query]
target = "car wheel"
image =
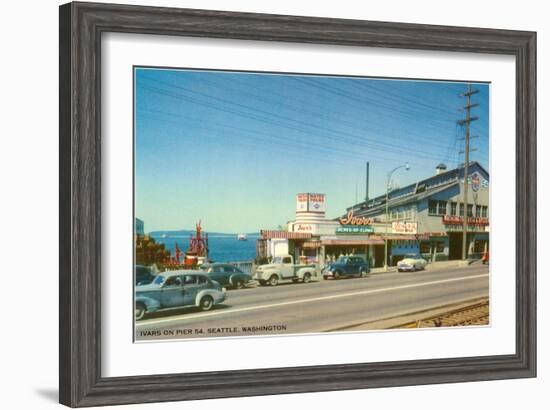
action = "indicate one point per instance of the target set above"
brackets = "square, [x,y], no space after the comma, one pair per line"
[239,284]
[363,273]
[206,303]
[140,311]
[262,282]
[336,275]
[274,280]
[307,277]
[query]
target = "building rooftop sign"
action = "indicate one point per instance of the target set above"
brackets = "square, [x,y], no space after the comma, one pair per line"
[310,203]
[349,219]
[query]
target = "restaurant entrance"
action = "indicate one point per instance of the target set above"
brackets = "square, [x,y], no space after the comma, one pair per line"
[378,256]
[455,245]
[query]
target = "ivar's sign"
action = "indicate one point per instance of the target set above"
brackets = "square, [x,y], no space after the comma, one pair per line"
[349,219]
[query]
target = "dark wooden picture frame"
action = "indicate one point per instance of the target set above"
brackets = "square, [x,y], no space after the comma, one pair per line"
[81,27]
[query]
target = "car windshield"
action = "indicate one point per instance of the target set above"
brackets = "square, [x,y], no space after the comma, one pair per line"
[277,259]
[412,256]
[204,268]
[342,259]
[159,280]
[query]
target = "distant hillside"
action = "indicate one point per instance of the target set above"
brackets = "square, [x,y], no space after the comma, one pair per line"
[187,232]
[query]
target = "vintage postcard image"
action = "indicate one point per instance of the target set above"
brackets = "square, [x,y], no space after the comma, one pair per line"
[270,204]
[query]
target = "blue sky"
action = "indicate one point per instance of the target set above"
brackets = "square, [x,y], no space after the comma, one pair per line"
[233,149]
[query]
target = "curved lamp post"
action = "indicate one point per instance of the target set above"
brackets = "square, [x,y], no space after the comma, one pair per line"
[406,166]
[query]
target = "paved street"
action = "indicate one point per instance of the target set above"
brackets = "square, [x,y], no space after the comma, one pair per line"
[320,306]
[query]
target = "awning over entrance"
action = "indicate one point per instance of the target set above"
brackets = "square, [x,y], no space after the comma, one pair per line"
[284,235]
[402,237]
[353,242]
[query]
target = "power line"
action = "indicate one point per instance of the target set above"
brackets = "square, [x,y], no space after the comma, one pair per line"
[278,120]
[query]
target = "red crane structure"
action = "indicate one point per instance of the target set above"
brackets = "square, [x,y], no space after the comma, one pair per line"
[198,247]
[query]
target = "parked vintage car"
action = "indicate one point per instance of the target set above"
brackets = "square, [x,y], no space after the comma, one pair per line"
[411,262]
[346,266]
[283,268]
[144,275]
[178,289]
[226,274]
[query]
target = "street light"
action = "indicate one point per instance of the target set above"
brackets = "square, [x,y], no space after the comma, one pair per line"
[406,166]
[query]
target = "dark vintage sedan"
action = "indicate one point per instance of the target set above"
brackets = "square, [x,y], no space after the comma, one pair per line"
[346,266]
[226,274]
[144,275]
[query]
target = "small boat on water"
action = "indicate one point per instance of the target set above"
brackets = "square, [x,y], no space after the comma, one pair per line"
[242,237]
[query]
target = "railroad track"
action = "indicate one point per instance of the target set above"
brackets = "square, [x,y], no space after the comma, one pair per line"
[475,314]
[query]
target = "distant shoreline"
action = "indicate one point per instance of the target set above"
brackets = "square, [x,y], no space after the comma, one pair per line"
[185,233]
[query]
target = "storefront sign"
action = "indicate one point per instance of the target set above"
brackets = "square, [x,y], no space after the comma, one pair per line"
[470,228]
[404,227]
[311,245]
[459,220]
[303,228]
[353,229]
[349,219]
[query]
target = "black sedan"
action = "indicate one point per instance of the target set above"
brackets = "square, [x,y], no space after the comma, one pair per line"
[144,275]
[226,274]
[347,266]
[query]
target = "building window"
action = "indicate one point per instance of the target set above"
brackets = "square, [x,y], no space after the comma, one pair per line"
[442,208]
[440,247]
[484,211]
[478,210]
[453,208]
[461,209]
[432,207]
[437,207]
[425,247]
[470,210]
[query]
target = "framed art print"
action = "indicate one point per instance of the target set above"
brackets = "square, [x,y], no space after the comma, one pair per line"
[262,204]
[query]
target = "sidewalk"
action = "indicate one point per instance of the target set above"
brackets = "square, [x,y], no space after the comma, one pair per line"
[429,266]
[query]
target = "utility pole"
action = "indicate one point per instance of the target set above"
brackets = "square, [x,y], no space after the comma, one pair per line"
[367,184]
[466,123]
